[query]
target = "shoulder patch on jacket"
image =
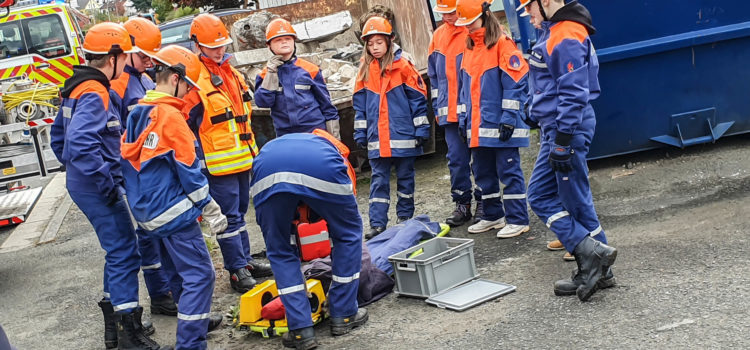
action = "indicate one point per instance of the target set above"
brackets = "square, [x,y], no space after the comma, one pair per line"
[152,140]
[565,30]
[308,67]
[511,60]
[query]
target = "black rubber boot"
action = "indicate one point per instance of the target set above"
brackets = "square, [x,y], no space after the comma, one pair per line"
[259,269]
[110,324]
[568,287]
[147,326]
[342,325]
[460,216]
[374,231]
[163,305]
[130,335]
[478,212]
[214,321]
[594,259]
[241,280]
[300,339]
[402,219]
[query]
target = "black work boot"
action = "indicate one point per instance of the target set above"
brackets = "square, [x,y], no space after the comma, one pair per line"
[214,321]
[110,324]
[460,216]
[241,280]
[568,287]
[147,326]
[342,325]
[594,259]
[259,269]
[300,339]
[130,335]
[374,231]
[402,219]
[478,212]
[164,305]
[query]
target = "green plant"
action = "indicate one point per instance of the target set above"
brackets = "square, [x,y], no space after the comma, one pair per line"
[181,12]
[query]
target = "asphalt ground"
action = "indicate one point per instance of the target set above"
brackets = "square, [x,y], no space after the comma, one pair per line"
[679,219]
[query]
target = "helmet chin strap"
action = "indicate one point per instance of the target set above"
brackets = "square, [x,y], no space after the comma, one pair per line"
[541,10]
[177,86]
[114,69]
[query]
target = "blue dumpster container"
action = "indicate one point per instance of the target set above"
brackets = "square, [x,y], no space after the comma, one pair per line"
[672,73]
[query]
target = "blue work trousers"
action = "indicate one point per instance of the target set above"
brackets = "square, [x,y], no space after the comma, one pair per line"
[459,161]
[492,167]
[232,193]
[380,188]
[116,235]
[563,201]
[275,216]
[156,278]
[185,253]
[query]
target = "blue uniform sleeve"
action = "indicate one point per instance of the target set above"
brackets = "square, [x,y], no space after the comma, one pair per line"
[463,100]
[432,75]
[84,141]
[57,134]
[118,103]
[263,98]
[320,90]
[359,103]
[514,95]
[570,69]
[418,106]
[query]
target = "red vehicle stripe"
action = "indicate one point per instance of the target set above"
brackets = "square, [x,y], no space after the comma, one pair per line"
[47,77]
[59,71]
[15,71]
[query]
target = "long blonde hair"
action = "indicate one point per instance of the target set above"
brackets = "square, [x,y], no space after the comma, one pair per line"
[385,62]
[493,30]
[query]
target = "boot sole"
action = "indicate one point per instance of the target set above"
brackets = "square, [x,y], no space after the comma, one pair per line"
[305,345]
[110,344]
[455,224]
[515,234]
[584,293]
[341,330]
[260,275]
[495,227]
[602,284]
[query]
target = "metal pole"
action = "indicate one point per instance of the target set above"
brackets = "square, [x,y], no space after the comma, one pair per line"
[38,149]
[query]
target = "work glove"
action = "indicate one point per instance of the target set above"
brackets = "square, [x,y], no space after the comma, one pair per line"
[217,222]
[362,144]
[561,153]
[506,132]
[270,82]
[420,141]
[274,63]
[333,128]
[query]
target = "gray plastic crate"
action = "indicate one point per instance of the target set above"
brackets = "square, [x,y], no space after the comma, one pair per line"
[443,264]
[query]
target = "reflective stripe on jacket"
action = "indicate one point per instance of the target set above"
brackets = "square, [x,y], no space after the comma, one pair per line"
[163,180]
[391,110]
[493,88]
[303,164]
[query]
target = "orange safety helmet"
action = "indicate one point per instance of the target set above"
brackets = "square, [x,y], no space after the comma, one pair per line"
[146,35]
[279,27]
[524,3]
[181,61]
[445,6]
[108,38]
[208,31]
[376,25]
[470,10]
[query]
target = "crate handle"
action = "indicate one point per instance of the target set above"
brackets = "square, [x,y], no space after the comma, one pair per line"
[406,267]
[443,261]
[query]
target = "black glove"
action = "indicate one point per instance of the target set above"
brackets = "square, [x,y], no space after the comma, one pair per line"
[532,124]
[506,132]
[362,145]
[113,197]
[561,153]
[420,141]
